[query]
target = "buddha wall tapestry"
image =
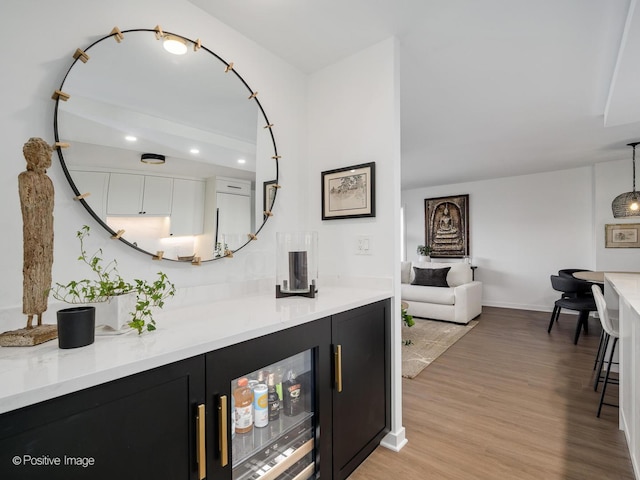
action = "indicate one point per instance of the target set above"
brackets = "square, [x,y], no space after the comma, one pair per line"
[446,221]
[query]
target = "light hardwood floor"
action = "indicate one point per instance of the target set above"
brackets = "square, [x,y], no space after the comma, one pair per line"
[508,401]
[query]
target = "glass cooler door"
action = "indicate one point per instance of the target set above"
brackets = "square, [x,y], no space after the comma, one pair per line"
[273,421]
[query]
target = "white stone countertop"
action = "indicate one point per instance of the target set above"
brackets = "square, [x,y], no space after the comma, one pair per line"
[30,375]
[627,285]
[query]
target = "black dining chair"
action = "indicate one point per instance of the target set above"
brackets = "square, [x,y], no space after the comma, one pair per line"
[568,273]
[574,298]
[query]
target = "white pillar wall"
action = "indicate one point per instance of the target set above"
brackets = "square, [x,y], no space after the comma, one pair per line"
[354,118]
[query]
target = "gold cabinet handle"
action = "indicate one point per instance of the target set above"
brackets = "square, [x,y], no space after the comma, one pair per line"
[222,422]
[200,444]
[338,367]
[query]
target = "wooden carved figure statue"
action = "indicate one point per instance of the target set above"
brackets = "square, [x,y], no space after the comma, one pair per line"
[36,201]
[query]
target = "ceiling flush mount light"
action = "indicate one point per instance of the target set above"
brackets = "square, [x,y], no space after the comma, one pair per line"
[152,158]
[130,138]
[241,161]
[175,45]
[194,151]
[628,204]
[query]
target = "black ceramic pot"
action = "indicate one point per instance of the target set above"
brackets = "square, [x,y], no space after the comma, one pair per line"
[76,327]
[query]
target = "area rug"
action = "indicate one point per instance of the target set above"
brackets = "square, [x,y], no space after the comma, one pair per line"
[426,341]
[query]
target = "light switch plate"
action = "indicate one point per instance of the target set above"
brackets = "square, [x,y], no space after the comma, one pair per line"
[363,245]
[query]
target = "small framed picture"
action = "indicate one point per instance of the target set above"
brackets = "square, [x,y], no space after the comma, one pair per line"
[349,192]
[269,195]
[622,235]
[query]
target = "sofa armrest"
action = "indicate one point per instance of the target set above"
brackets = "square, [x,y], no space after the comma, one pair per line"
[468,303]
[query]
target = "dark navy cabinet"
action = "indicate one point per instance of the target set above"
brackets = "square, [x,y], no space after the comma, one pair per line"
[138,427]
[175,422]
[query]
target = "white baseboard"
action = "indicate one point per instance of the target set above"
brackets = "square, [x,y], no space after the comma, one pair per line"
[395,440]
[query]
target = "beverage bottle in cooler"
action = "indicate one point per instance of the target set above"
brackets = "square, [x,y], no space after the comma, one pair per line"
[292,394]
[273,398]
[262,376]
[243,398]
[278,382]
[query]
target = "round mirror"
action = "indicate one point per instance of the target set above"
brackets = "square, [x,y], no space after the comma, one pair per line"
[171,151]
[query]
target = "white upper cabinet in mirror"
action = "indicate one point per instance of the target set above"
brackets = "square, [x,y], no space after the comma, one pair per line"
[132,98]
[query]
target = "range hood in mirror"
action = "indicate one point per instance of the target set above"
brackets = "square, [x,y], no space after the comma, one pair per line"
[132,98]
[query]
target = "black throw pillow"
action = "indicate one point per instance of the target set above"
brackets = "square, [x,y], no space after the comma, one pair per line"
[431,277]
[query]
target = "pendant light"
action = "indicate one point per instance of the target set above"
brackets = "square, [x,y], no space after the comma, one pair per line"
[628,204]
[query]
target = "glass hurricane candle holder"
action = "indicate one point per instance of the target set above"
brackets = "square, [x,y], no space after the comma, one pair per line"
[296,264]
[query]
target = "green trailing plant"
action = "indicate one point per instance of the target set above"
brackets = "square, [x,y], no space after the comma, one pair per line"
[407,319]
[424,250]
[150,295]
[409,322]
[108,284]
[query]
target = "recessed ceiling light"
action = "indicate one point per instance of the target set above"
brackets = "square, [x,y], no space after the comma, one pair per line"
[194,151]
[130,138]
[242,160]
[175,45]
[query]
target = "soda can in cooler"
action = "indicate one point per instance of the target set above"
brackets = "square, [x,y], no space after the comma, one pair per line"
[260,405]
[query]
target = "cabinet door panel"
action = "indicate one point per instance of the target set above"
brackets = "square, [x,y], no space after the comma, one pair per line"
[157,195]
[139,195]
[125,194]
[187,209]
[362,410]
[97,184]
[140,427]
[234,219]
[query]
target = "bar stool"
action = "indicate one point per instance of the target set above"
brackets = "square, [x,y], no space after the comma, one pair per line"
[599,361]
[610,330]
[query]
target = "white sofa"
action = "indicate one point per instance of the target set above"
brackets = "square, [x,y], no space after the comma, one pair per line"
[459,302]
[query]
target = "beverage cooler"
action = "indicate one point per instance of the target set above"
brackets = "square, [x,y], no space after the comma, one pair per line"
[267,402]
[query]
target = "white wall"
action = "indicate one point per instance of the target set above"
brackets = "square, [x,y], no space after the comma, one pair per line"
[612,179]
[522,229]
[354,118]
[42,38]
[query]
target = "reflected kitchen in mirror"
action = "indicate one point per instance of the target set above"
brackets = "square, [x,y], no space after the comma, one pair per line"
[169,147]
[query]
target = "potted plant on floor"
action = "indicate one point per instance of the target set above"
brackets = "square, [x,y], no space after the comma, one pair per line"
[108,285]
[424,252]
[407,320]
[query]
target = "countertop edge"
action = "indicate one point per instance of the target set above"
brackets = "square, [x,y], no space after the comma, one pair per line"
[627,285]
[31,377]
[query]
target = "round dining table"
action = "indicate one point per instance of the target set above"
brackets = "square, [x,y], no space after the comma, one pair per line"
[595,277]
